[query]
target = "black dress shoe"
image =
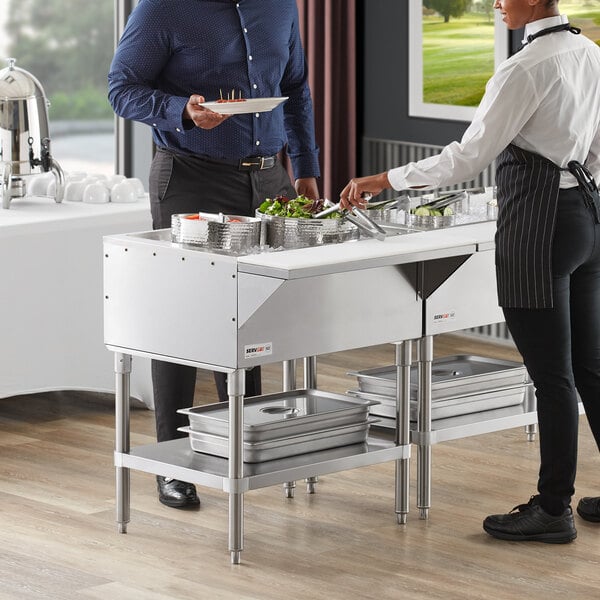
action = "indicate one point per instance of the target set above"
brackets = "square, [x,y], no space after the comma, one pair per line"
[530,522]
[589,509]
[176,494]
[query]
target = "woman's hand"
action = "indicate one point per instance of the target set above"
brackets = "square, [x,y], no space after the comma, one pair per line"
[359,188]
[201,116]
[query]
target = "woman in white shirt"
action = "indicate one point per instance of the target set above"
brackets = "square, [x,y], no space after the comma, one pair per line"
[540,117]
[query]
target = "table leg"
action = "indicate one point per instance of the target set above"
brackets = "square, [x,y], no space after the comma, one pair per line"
[425,349]
[289,383]
[236,382]
[310,383]
[122,445]
[403,364]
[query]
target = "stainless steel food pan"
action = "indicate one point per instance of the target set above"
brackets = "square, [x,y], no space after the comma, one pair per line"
[289,462]
[288,232]
[283,414]
[233,234]
[457,200]
[451,376]
[444,408]
[254,452]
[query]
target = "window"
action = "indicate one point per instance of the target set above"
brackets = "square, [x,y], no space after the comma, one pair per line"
[584,14]
[454,46]
[68,45]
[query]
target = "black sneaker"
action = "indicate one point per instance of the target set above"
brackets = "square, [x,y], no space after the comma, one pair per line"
[589,509]
[530,522]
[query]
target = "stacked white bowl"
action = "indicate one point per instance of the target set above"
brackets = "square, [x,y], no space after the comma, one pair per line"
[92,188]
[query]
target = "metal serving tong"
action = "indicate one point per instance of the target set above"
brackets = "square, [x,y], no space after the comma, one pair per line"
[358,218]
[446,200]
[391,203]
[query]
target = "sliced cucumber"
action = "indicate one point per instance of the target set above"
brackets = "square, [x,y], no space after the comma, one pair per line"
[422,211]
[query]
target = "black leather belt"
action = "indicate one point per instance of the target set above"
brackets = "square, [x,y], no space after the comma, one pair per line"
[257,163]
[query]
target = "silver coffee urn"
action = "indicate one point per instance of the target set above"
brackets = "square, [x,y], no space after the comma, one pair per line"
[24,135]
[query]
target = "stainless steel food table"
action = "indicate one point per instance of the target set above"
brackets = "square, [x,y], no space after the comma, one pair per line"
[458,293]
[227,313]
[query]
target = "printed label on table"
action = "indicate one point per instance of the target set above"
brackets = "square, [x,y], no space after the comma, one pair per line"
[258,350]
[444,317]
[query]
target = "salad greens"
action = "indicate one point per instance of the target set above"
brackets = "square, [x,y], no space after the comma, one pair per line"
[299,208]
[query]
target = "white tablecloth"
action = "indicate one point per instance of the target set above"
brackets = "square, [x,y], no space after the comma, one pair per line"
[51,313]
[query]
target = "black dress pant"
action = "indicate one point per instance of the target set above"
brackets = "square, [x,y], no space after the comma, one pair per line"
[187,184]
[561,348]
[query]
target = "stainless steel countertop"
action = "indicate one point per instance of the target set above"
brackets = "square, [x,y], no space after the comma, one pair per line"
[339,258]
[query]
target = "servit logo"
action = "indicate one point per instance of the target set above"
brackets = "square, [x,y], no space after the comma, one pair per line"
[253,350]
[443,317]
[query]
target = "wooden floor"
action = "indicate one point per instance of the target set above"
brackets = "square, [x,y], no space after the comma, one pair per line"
[58,538]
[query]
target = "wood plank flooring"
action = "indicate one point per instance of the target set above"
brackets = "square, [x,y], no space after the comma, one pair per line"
[58,538]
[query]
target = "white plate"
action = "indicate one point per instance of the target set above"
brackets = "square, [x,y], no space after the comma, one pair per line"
[251,105]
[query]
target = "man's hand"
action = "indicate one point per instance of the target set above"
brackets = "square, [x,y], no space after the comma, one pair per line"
[202,117]
[308,187]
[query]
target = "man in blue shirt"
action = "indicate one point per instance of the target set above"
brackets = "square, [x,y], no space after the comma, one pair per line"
[173,55]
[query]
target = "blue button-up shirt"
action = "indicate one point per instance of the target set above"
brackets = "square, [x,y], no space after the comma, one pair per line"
[171,49]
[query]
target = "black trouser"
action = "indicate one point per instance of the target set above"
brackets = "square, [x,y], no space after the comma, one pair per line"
[187,184]
[561,348]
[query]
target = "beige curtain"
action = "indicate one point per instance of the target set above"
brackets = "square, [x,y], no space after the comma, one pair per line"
[328,30]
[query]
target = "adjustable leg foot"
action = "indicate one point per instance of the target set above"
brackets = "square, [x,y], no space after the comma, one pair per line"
[530,431]
[288,489]
[311,485]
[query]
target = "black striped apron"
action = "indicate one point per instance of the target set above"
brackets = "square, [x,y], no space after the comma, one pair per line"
[527,194]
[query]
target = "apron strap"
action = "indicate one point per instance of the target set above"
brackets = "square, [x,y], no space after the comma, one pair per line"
[561,27]
[587,184]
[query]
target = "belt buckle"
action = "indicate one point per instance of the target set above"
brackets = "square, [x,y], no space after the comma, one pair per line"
[252,162]
[258,163]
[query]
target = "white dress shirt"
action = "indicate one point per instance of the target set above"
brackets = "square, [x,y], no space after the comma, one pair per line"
[545,99]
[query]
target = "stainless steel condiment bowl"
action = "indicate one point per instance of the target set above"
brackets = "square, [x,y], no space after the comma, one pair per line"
[232,233]
[430,222]
[384,214]
[289,232]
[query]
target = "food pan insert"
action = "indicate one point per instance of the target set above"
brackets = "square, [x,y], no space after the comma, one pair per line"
[274,449]
[444,408]
[282,414]
[450,375]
